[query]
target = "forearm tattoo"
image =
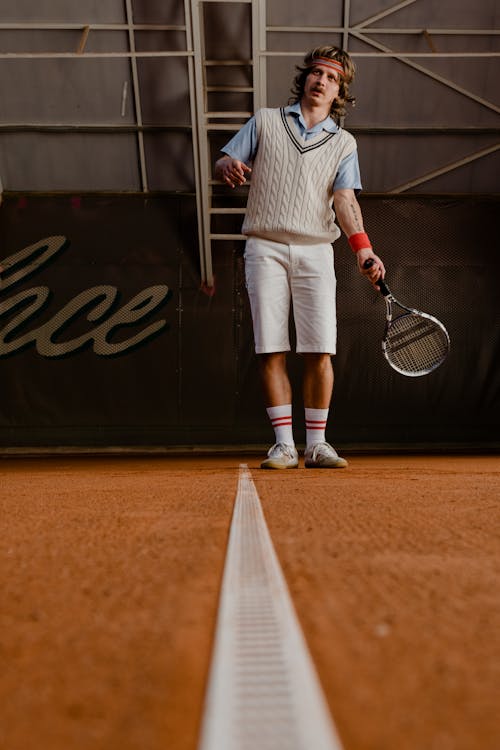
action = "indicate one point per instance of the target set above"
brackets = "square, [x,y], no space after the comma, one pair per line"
[356,217]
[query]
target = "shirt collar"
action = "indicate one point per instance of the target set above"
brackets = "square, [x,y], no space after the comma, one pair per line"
[329,125]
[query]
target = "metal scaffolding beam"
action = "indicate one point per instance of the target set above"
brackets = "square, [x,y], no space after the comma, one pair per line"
[267,44]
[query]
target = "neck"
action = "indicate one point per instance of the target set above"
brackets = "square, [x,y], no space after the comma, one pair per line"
[312,115]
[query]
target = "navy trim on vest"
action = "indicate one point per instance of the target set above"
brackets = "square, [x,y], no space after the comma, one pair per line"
[299,146]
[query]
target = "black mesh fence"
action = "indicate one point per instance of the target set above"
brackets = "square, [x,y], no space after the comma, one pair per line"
[439,258]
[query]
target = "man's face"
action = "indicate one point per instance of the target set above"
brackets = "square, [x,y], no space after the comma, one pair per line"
[322,86]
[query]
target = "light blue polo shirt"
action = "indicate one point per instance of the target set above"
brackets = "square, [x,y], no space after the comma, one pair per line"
[243,146]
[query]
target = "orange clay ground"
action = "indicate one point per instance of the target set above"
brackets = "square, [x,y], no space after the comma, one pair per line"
[111,569]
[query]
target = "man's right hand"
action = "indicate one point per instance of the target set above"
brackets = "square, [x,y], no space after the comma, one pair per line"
[231,171]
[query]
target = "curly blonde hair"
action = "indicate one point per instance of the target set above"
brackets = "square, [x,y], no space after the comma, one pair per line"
[338,108]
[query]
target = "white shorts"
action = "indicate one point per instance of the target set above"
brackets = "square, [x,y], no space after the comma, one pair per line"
[277,274]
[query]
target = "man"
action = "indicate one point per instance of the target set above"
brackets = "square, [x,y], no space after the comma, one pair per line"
[304,165]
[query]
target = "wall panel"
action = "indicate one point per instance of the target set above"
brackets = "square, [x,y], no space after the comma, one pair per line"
[193,379]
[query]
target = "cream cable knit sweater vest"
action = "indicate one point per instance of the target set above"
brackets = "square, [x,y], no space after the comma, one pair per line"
[291,194]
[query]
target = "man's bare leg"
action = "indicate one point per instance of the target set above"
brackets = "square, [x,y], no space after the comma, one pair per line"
[317,392]
[274,378]
[318,381]
[278,399]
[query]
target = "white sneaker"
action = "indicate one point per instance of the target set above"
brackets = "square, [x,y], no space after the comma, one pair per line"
[281,456]
[323,456]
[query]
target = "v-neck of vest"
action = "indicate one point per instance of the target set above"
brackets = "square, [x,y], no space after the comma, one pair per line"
[301,145]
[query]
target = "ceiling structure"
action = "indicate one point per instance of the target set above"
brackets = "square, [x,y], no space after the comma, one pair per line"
[118,95]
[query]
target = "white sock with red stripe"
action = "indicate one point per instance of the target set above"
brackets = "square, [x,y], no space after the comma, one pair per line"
[281,420]
[316,420]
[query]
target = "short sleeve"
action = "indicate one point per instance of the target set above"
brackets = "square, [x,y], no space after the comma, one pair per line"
[243,145]
[348,176]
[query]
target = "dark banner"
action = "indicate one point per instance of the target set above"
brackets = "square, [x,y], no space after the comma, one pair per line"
[108,339]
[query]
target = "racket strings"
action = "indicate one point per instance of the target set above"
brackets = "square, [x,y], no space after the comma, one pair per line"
[416,344]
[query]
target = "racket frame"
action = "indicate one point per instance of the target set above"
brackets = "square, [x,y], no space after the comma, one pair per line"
[390,300]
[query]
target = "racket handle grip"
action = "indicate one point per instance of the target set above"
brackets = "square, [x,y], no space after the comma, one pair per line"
[380,283]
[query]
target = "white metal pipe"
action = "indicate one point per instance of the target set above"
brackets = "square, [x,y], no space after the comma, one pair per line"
[137,97]
[444,170]
[404,58]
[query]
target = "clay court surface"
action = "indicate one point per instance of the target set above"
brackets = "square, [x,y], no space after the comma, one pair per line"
[111,570]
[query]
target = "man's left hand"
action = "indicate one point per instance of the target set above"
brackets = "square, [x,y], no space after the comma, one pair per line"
[376,270]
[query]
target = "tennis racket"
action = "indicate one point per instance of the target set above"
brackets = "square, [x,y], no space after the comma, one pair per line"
[414,343]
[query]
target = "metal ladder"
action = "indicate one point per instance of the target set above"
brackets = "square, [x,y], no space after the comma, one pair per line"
[206,123]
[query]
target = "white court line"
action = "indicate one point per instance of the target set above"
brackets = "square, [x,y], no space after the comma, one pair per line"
[263,691]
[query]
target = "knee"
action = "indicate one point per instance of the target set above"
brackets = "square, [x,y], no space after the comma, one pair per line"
[318,361]
[274,362]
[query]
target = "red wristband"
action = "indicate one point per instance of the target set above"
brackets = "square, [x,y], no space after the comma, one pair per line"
[359,241]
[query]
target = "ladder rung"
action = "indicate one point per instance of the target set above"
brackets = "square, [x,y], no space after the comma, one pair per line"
[228,115]
[223,126]
[231,89]
[227,210]
[219,182]
[227,237]
[226,63]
